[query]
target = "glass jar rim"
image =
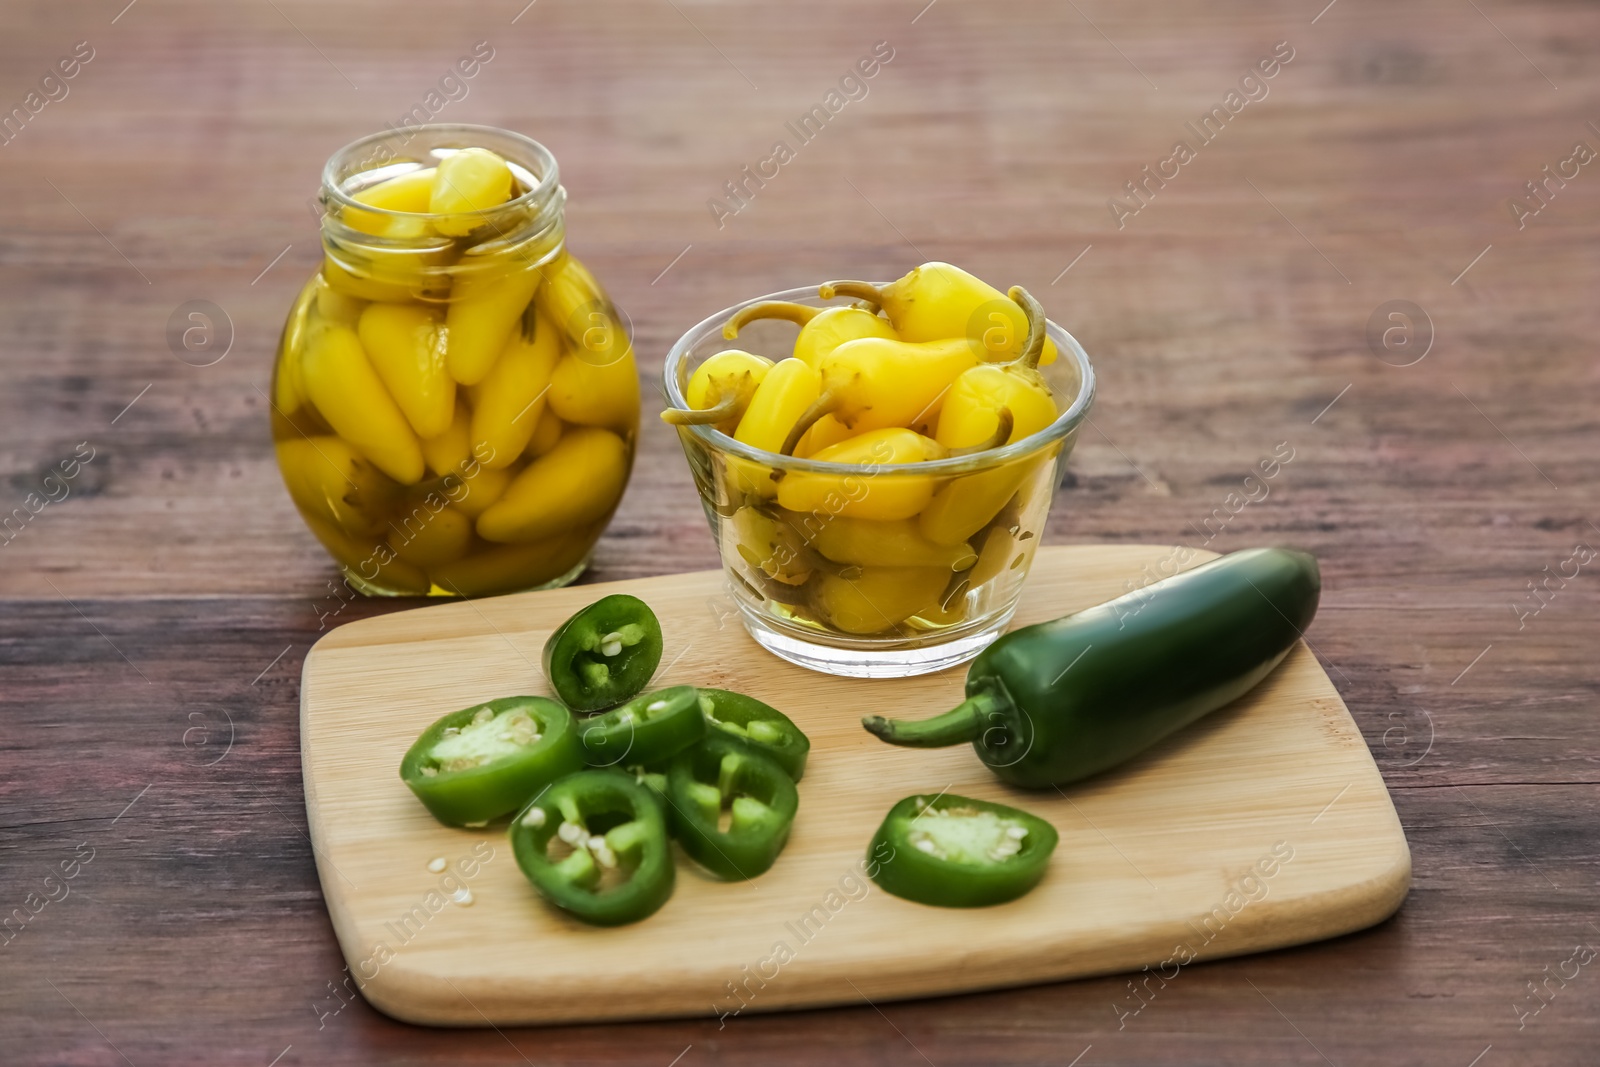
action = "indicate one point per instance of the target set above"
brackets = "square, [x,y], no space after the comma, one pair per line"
[547,170]
[1066,422]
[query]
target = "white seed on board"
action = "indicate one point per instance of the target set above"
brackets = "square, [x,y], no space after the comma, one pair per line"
[437,864]
[462,897]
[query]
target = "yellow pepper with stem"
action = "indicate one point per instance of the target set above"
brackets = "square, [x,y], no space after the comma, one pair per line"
[821,329]
[719,391]
[875,383]
[937,301]
[771,545]
[406,345]
[971,413]
[340,382]
[576,483]
[511,400]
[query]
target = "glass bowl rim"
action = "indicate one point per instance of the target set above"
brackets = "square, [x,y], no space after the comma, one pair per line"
[549,179]
[1064,424]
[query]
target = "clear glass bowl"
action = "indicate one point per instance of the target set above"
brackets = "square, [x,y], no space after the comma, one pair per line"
[827,588]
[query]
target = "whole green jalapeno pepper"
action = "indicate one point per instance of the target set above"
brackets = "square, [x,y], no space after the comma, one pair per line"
[604,654]
[1063,700]
[595,845]
[484,761]
[759,726]
[722,774]
[646,730]
[955,852]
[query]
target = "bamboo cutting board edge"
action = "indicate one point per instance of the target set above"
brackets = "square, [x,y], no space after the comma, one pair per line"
[439,982]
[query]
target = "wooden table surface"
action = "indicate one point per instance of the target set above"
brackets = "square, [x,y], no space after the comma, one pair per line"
[161,608]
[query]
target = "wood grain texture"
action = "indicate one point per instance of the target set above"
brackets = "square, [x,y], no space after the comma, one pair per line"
[1152,857]
[177,572]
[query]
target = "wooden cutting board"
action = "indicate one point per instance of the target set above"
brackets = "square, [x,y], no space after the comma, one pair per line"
[1265,825]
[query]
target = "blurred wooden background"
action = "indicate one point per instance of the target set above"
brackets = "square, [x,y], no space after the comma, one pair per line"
[173,591]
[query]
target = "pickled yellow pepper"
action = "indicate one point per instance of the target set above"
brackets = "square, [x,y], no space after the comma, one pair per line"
[936,301]
[720,390]
[511,400]
[874,383]
[340,381]
[406,345]
[467,183]
[821,329]
[575,483]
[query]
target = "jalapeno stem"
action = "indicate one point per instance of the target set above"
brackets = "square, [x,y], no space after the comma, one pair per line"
[859,290]
[1034,348]
[1004,422]
[787,310]
[964,722]
[726,408]
[826,404]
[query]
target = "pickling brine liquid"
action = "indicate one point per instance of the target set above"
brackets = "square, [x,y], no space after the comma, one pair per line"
[455,401]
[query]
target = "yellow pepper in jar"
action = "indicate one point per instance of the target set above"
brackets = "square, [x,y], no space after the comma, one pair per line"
[511,400]
[329,479]
[575,483]
[340,381]
[485,309]
[467,184]
[406,346]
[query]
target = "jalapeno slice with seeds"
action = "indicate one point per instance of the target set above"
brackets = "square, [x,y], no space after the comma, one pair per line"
[760,726]
[604,654]
[646,729]
[595,845]
[482,762]
[731,807]
[956,852]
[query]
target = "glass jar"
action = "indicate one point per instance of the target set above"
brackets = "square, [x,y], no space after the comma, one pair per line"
[455,401]
[874,569]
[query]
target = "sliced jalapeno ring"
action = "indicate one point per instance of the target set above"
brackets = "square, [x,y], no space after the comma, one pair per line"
[647,729]
[955,852]
[484,761]
[761,727]
[604,654]
[595,845]
[731,807]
